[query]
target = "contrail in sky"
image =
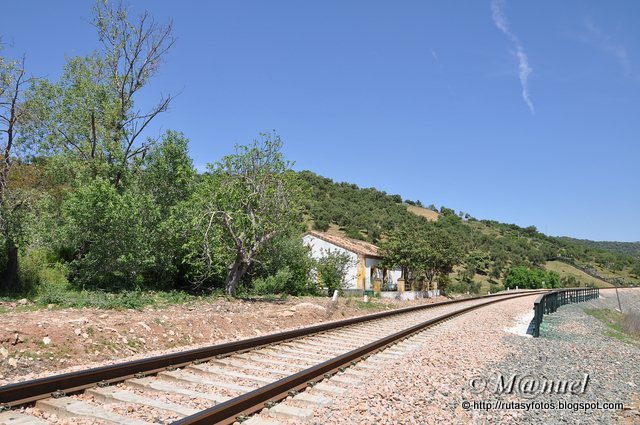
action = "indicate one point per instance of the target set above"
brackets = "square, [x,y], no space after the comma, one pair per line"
[524,70]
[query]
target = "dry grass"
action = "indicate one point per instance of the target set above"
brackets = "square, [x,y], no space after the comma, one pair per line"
[564,269]
[615,321]
[624,274]
[423,212]
[630,323]
[334,230]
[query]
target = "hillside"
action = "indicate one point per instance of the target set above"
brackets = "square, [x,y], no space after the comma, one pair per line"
[627,248]
[490,247]
[566,270]
[423,212]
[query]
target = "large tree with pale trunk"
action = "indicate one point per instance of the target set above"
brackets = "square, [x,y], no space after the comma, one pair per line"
[247,200]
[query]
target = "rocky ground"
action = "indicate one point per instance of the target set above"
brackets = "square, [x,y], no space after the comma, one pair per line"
[449,380]
[38,342]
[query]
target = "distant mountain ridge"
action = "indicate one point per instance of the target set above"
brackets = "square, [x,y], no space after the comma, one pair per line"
[628,248]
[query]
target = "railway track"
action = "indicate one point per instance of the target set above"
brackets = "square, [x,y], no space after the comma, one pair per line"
[227,382]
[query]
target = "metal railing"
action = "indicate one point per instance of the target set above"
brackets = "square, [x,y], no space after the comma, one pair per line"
[549,302]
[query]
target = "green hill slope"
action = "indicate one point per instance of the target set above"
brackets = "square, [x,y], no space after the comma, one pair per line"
[493,247]
[627,248]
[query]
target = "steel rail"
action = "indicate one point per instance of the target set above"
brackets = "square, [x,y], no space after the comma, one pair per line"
[57,385]
[251,402]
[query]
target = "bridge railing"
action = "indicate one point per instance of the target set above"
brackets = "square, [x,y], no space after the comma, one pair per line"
[550,302]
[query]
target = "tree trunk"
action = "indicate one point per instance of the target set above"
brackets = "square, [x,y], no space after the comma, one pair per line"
[10,275]
[236,272]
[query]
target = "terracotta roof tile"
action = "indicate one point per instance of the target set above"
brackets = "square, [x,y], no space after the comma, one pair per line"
[354,245]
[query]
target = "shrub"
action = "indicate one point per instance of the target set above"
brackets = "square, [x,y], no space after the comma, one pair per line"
[444,281]
[32,262]
[332,270]
[286,253]
[463,287]
[111,232]
[353,233]
[121,301]
[496,287]
[526,278]
[53,287]
[569,282]
[274,284]
[42,277]
[321,225]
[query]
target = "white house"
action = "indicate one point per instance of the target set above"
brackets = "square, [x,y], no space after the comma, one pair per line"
[365,267]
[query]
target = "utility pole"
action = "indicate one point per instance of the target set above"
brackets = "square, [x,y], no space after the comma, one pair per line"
[618,295]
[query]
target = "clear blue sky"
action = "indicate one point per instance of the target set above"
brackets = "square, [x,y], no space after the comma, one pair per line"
[523,112]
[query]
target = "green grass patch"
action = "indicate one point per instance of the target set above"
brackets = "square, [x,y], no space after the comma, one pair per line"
[125,300]
[613,319]
[371,305]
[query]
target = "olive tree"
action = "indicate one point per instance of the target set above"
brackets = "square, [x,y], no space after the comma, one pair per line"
[422,249]
[245,201]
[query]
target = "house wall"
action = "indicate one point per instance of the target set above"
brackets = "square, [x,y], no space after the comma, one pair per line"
[358,272]
[320,247]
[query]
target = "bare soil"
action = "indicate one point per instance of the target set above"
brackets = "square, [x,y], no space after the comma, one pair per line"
[37,343]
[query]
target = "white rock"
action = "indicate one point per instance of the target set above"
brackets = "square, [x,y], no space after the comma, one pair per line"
[46,340]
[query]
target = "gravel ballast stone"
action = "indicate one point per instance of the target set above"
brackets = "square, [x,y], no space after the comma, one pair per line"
[431,383]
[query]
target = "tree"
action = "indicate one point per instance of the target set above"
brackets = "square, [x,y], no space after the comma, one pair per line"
[401,249]
[13,112]
[440,253]
[247,200]
[476,262]
[168,175]
[423,249]
[168,178]
[635,270]
[496,270]
[112,234]
[90,114]
[90,128]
